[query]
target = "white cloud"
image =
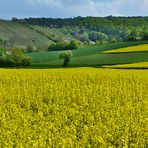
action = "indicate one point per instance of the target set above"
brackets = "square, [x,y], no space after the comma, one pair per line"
[47,3]
[69,8]
[50,3]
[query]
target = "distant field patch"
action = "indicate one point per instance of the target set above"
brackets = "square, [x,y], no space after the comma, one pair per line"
[133,65]
[139,48]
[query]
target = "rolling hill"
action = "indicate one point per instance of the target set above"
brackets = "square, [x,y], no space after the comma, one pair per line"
[21,35]
[92,56]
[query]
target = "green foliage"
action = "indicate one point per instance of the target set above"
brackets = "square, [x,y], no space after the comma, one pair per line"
[63,46]
[144,33]
[13,57]
[26,60]
[60,32]
[18,57]
[91,56]
[66,56]
[73,44]
[94,36]
[112,40]
[1,40]
[3,57]
[102,42]
[134,35]
[98,28]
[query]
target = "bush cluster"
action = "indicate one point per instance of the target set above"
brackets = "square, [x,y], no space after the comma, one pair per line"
[63,46]
[13,57]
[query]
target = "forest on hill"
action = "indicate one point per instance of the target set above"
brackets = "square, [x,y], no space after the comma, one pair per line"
[98,29]
[58,34]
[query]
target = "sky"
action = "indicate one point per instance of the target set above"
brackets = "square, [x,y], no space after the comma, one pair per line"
[71,8]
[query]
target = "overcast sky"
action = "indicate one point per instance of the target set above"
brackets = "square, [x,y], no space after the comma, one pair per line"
[72,8]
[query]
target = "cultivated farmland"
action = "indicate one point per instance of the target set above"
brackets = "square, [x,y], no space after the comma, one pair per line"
[82,107]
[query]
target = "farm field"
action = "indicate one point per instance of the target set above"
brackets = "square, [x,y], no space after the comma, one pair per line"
[132,66]
[139,48]
[73,107]
[95,56]
[73,74]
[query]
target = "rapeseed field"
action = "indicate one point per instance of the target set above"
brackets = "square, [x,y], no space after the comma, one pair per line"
[75,108]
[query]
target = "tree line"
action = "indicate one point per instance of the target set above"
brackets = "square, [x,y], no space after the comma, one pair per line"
[110,29]
[63,46]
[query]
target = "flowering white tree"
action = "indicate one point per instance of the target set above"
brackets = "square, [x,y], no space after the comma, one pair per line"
[66,57]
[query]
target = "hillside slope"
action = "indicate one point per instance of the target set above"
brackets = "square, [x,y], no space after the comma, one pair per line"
[21,35]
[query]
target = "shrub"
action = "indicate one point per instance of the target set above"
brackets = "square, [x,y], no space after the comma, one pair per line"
[26,61]
[14,57]
[73,44]
[113,40]
[3,57]
[63,46]
[66,57]
[94,36]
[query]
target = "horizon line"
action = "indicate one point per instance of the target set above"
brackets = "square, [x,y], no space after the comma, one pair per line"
[134,16]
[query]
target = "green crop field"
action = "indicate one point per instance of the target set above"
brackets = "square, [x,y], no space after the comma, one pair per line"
[92,56]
